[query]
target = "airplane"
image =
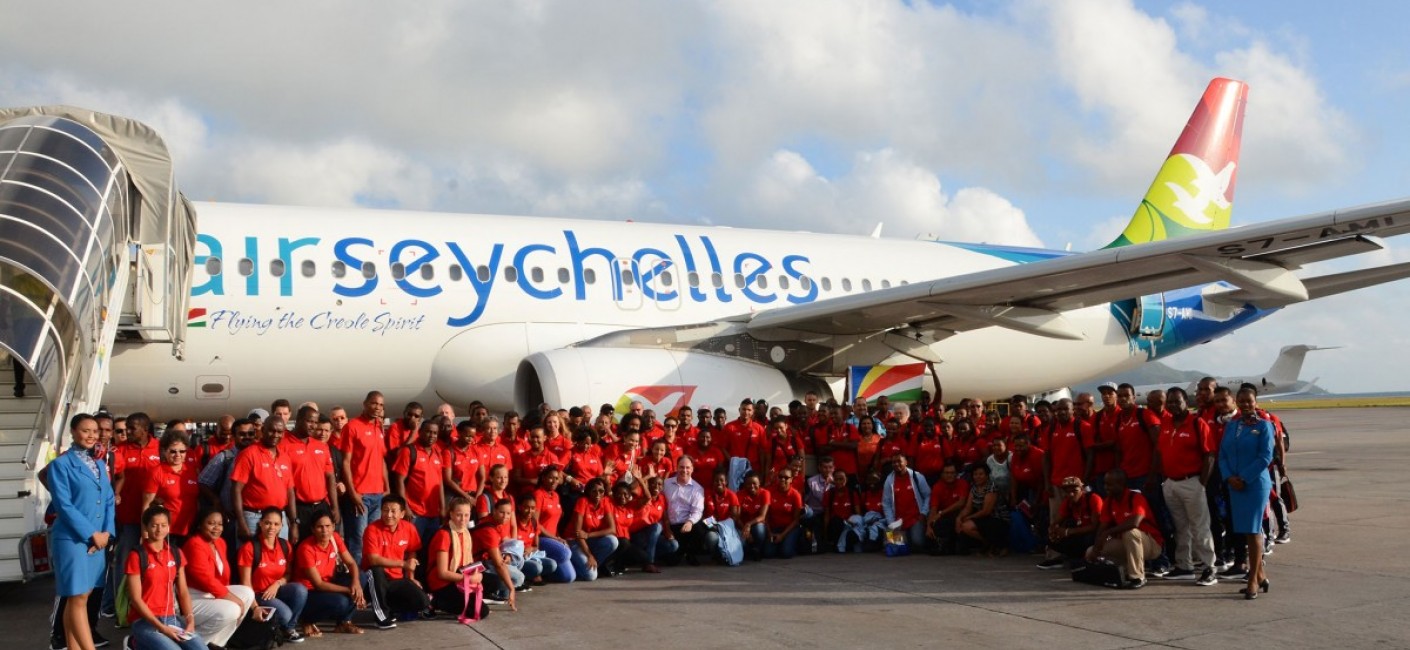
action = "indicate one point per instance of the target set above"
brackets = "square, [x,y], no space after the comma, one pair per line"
[326,304]
[1282,379]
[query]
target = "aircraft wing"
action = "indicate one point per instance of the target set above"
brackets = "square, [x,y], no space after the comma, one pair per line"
[1257,260]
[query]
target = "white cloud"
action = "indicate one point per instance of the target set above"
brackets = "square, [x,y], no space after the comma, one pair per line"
[882,187]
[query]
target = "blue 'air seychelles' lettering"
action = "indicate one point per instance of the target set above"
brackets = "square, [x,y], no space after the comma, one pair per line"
[646,267]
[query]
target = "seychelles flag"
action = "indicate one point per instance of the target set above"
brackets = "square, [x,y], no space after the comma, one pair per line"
[196,317]
[897,383]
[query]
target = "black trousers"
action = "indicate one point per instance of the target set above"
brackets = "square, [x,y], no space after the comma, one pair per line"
[691,542]
[388,596]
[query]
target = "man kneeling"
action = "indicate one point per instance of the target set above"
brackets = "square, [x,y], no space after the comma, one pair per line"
[1127,534]
[389,564]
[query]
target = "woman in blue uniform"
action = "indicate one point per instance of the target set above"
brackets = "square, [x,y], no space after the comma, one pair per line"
[83,500]
[1244,455]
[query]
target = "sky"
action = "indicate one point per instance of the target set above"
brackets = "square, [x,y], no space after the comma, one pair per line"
[1031,122]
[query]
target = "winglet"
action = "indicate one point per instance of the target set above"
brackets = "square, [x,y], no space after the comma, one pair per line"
[1194,191]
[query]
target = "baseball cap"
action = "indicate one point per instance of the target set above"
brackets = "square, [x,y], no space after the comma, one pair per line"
[259,413]
[1107,386]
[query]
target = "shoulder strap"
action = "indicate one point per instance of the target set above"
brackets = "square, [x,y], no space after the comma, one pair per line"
[257,549]
[284,546]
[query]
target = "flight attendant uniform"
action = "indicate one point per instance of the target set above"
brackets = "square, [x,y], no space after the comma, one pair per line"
[1245,452]
[83,499]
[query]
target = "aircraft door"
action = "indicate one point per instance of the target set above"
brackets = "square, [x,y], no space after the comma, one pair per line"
[1148,318]
[630,298]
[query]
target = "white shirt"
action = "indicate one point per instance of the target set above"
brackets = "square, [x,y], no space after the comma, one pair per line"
[684,502]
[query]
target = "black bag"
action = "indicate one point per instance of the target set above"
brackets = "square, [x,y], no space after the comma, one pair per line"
[1100,574]
[255,635]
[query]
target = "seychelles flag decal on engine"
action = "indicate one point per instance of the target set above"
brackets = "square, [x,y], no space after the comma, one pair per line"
[661,399]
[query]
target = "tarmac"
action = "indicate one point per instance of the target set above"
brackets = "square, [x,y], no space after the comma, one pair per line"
[1342,582]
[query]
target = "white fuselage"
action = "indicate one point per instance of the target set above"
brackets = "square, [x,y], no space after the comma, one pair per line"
[500,288]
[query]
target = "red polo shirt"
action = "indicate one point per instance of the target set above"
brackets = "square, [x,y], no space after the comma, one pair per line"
[1183,446]
[783,507]
[312,462]
[1027,469]
[550,508]
[1068,443]
[464,467]
[751,504]
[423,482]
[594,516]
[745,440]
[272,564]
[1134,442]
[388,544]
[267,477]
[135,464]
[158,580]
[366,447]
[944,495]
[178,491]
[719,505]
[1119,509]
[324,559]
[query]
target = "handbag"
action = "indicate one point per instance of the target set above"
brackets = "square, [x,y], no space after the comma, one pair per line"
[473,591]
[1101,574]
[1288,494]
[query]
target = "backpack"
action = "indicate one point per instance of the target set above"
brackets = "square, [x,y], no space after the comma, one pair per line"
[254,634]
[258,547]
[122,600]
[1101,574]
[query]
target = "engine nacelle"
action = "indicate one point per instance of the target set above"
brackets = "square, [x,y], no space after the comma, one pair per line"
[663,380]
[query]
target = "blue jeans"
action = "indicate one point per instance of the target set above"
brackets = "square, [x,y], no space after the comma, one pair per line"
[497,586]
[544,566]
[146,637]
[288,604]
[426,528]
[786,548]
[128,537]
[601,547]
[562,557]
[647,539]
[355,524]
[758,536]
[327,606]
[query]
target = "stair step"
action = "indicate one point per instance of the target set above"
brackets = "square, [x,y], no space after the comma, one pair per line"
[12,529]
[13,487]
[17,420]
[10,571]
[12,506]
[10,404]
[16,434]
[14,470]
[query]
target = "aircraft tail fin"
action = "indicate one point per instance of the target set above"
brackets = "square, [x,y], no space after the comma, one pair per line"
[1194,190]
[1288,365]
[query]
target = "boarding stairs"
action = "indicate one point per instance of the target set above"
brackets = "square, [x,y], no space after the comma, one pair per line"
[95,243]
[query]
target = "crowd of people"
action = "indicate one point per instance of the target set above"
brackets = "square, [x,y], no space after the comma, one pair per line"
[300,518]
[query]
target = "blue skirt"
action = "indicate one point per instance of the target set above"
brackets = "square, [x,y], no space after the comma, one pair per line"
[1246,506]
[76,572]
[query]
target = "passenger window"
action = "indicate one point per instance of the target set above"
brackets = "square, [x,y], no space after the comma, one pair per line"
[717,280]
[369,270]
[827,284]
[536,274]
[483,273]
[510,275]
[212,266]
[866,285]
[627,278]
[763,281]
[339,269]
[666,279]
[589,276]
[428,272]
[246,266]
[308,268]
[398,271]
[693,278]
[806,282]
[276,268]
[456,272]
[739,280]
[783,282]
[563,276]
[885,284]
[847,284]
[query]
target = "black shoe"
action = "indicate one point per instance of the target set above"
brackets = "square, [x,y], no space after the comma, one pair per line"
[1234,573]
[691,559]
[1179,574]
[58,644]
[293,636]
[1134,583]
[428,615]
[1264,585]
[1283,537]
[1055,563]
[389,624]
[99,641]
[1207,578]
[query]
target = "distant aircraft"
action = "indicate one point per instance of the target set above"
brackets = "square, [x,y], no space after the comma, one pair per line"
[1280,380]
[325,304]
